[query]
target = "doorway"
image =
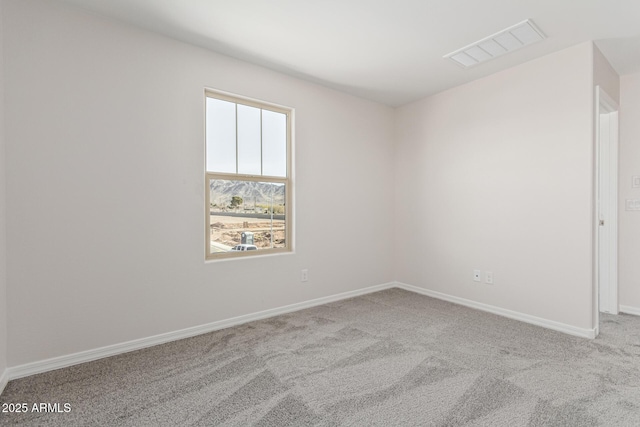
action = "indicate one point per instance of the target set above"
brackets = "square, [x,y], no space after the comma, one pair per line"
[606,235]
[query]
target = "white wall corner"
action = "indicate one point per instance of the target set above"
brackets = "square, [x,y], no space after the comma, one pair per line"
[522,317]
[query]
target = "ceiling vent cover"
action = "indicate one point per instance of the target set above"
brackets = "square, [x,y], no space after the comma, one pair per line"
[505,41]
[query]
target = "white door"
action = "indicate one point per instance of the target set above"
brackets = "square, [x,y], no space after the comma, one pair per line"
[607,203]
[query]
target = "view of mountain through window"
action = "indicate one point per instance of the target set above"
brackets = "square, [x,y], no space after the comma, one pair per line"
[246,213]
[248,173]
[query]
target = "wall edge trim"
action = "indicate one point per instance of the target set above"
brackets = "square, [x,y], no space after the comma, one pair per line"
[60,362]
[64,361]
[526,318]
[4,380]
[627,309]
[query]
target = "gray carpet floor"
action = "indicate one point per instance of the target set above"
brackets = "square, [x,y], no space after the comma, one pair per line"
[392,358]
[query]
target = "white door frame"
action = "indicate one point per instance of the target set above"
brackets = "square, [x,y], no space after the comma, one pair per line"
[606,218]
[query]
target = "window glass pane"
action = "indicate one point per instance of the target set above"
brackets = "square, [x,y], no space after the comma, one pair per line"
[274,144]
[249,140]
[246,213]
[221,136]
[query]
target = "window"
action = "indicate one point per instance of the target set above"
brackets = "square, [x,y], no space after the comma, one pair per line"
[248,177]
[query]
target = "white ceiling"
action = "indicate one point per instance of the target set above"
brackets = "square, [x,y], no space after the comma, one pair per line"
[388,51]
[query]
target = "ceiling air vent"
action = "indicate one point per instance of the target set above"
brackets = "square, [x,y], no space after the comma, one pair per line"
[505,41]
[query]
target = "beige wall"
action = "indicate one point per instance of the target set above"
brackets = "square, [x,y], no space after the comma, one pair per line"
[105,186]
[497,175]
[3,236]
[629,245]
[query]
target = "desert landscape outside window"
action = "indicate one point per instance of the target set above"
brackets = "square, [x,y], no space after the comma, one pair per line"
[247,176]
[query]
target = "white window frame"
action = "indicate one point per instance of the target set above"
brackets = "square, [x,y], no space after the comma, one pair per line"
[287,180]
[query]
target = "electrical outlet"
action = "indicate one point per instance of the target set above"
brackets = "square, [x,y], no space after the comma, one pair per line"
[488,278]
[476,275]
[633,204]
[636,181]
[304,275]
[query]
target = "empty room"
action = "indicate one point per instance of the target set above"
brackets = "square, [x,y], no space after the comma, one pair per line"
[288,213]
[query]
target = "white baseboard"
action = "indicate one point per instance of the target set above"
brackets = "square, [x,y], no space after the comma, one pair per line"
[549,324]
[38,367]
[112,350]
[4,379]
[629,310]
